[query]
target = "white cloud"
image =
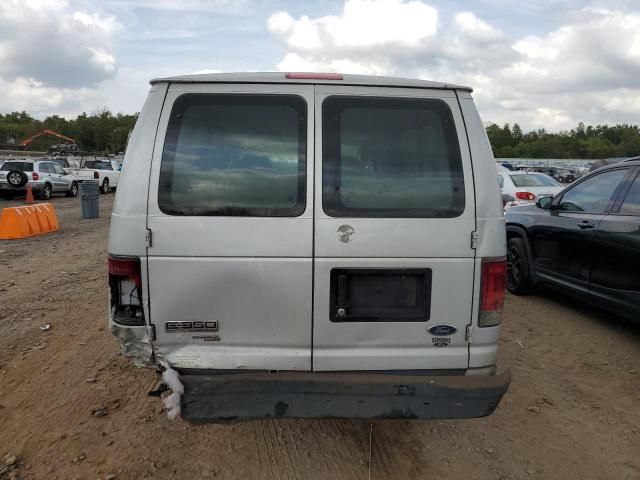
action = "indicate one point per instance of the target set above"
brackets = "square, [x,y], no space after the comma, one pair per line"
[40,100]
[475,28]
[585,70]
[365,39]
[54,43]
[223,7]
[302,34]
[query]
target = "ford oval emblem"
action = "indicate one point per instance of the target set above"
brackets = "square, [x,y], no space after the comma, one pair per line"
[442,330]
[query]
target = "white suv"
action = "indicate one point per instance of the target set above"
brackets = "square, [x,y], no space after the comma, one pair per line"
[311,245]
[45,177]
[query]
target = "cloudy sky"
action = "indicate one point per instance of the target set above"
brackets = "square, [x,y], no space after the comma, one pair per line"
[549,64]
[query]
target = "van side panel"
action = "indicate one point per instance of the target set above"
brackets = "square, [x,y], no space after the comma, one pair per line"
[129,215]
[483,349]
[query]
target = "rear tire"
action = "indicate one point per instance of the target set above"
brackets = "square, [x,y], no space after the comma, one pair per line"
[518,268]
[105,186]
[46,192]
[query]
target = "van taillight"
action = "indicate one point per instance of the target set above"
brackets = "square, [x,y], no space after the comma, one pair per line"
[96,176]
[125,285]
[493,283]
[35,176]
[525,196]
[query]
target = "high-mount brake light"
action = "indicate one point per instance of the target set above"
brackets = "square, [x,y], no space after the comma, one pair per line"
[314,76]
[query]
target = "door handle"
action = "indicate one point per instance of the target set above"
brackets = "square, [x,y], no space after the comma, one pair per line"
[586,224]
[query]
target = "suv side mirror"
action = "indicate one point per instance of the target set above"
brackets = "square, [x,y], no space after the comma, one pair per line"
[544,203]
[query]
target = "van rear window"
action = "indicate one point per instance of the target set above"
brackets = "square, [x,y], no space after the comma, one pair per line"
[235,155]
[387,157]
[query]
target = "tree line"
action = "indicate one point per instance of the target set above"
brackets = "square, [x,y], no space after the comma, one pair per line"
[104,131]
[600,141]
[101,131]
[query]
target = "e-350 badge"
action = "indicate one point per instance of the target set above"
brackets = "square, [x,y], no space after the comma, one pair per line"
[177,327]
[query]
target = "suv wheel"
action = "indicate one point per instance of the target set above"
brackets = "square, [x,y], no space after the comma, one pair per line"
[46,192]
[17,179]
[518,271]
[105,186]
[73,191]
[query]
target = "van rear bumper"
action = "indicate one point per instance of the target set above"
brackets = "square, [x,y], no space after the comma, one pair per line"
[246,396]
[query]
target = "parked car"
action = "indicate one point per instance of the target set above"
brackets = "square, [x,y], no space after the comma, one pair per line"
[100,169]
[45,177]
[288,243]
[564,175]
[586,240]
[610,161]
[63,162]
[521,188]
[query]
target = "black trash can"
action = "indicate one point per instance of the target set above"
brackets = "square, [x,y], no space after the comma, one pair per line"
[89,199]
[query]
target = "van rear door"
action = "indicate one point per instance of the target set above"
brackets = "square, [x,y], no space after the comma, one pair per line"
[231,220]
[395,212]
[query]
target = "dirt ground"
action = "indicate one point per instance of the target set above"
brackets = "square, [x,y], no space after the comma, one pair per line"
[573,409]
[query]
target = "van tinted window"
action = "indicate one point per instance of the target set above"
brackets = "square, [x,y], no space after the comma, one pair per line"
[390,158]
[235,155]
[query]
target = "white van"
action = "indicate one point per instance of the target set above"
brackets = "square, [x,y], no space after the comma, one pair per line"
[311,245]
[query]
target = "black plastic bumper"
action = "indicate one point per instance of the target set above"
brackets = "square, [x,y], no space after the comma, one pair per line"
[246,396]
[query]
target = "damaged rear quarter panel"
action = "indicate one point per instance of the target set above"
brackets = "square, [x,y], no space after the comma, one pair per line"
[135,343]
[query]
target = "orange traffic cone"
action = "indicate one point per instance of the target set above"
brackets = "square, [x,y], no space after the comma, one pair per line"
[29,198]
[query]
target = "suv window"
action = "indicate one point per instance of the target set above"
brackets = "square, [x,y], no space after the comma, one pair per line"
[631,204]
[45,167]
[22,166]
[594,194]
[58,169]
[387,157]
[235,154]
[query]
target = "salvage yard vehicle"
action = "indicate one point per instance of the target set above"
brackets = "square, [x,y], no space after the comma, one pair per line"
[585,241]
[96,168]
[45,177]
[523,188]
[311,245]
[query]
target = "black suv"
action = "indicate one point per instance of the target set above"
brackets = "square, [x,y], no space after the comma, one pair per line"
[585,240]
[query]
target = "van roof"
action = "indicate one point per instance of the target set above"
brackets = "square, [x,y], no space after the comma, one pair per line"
[280,77]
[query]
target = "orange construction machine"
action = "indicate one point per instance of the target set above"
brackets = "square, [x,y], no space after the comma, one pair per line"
[27,141]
